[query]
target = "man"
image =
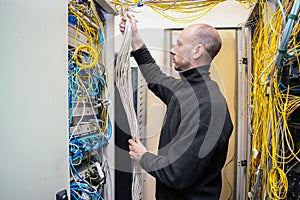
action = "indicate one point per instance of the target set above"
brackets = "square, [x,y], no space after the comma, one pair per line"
[194,138]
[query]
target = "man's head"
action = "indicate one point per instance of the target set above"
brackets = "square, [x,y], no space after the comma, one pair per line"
[197,45]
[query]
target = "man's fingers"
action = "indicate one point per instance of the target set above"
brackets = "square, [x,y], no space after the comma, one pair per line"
[124,17]
[132,21]
[134,140]
[130,16]
[121,25]
[138,141]
[132,155]
[130,141]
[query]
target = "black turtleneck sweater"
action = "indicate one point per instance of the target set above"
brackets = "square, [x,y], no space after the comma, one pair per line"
[194,138]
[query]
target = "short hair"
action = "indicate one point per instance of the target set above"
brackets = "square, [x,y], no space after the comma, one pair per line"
[209,37]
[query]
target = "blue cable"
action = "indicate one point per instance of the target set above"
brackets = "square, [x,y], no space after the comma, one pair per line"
[140,3]
[72,19]
[75,68]
[96,143]
[109,129]
[73,194]
[87,147]
[95,82]
[287,32]
[75,171]
[80,187]
[102,76]
[101,38]
[292,89]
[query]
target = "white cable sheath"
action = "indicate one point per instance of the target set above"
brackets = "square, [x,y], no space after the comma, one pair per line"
[124,85]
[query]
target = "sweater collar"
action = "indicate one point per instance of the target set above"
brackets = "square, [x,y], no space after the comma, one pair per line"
[196,74]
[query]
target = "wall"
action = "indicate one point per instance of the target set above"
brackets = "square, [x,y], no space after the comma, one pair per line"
[33,85]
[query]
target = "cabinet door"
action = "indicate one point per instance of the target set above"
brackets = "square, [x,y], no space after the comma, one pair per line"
[33,84]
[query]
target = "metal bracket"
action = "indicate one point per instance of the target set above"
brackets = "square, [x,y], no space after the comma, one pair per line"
[62,195]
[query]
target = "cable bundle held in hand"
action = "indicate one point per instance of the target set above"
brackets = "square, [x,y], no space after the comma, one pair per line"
[124,85]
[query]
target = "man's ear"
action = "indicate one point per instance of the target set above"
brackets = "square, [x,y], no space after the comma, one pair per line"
[198,51]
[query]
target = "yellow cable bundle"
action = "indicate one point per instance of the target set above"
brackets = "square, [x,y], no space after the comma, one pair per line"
[277,184]
[190,14]
[91,27]
[272,143]
[262,100]
[92,58]
[192,9]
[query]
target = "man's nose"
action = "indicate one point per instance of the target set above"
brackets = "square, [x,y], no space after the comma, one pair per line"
[172,52]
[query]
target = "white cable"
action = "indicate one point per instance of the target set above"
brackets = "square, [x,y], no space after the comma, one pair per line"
[77,125]
[106,168]
[124,85]
[296,163]
[91,103]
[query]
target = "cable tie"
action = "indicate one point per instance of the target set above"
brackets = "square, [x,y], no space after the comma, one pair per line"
[282,50]
[105,102]
[100,105]
[292,16]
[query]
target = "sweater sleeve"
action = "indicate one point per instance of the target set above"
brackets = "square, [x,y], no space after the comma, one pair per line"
[182,166]
[158,82]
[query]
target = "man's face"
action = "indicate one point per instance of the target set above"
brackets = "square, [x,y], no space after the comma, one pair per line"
[182,51]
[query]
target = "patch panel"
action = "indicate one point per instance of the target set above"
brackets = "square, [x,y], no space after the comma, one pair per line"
[78,36]
[84,130]
[87,111]
[93,171]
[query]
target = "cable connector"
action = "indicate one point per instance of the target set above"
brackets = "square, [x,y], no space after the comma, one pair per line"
[283,51]
[101,173]
[103,102]
[141,3]
[291,16]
